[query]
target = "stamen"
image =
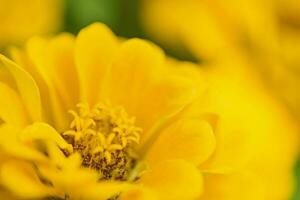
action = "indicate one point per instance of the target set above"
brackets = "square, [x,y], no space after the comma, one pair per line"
[105,137]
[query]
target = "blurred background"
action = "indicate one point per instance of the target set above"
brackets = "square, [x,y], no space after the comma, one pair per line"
[265,32]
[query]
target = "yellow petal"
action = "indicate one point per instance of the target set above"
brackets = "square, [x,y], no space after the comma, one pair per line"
[209,39]
[60,57]
[7,78]
[278,184]
[43,61]
[54,61]
[55,154]
[243,17]
[189,139]
[94,50]
[162,101]
[106,190]
[21,179]
[233,186]
[10,145]
[43,17]
[139,193]
[27,87]
[135,67]
[36,49]
[189,21]
[138,81]
[249,119]
[73,161]
[43,131]
[11,110]
[23,60]
[212,29]
[64,179]
[189,70]
[173,180]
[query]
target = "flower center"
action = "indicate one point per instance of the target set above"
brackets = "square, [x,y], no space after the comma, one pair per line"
[105,137]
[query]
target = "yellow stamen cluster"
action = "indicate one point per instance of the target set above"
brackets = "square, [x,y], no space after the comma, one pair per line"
[104,135]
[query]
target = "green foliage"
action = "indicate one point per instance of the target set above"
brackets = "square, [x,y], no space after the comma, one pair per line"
[122,16]
[297,173]
[79,13]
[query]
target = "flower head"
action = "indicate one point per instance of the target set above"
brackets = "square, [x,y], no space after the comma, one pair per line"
[94,117]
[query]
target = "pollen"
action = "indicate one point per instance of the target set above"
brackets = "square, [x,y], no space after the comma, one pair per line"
[105,137]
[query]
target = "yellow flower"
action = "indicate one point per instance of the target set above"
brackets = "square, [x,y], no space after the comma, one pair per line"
[265,33]
[236,38]
[139,126]
[210,29]
[256,138]
[127,135]
[22,19]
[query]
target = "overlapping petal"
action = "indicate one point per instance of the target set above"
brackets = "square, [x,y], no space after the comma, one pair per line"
[95,49]
[12,110]
[174,179]
[17,173]
[26,87]
[192,140]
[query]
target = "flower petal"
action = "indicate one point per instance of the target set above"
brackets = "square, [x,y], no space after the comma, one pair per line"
[10,145]
[139,193]
[106,190]
[42,66]
[15,174]
[60,57]
[173,180]
[138,81]
[23,59]
[42,131]
[54,61]
[135,67]
[94,50]
[189,139]
[11,110]
[7,78]
[233,186]
[161,101]
[61,174]
[27,87]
